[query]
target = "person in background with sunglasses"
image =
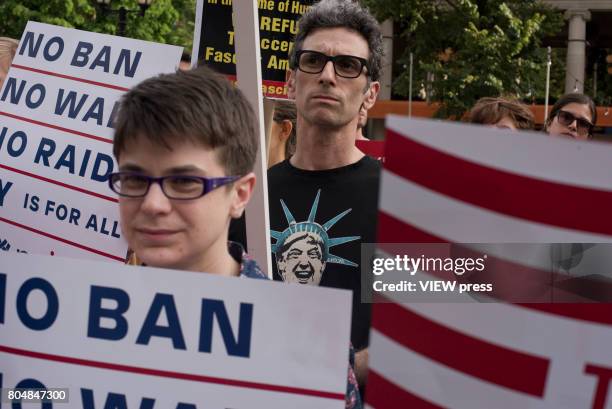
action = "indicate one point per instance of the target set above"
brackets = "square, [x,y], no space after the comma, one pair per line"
[573,116]
[186,145]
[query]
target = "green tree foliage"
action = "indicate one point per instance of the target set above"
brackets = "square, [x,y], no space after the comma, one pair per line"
[166,21]
[472,48]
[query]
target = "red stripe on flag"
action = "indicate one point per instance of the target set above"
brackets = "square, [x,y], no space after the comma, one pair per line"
[392,230]
[598,313]
[502,366]
[383,394]
[500,191]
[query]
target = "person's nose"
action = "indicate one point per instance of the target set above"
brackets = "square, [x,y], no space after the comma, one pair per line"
[328,75]
[155,201]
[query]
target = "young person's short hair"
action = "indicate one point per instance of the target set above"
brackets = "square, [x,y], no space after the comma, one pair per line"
[199,106]
[489,110]
[341,13]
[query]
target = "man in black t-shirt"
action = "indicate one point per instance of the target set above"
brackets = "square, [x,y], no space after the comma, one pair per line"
[323,201]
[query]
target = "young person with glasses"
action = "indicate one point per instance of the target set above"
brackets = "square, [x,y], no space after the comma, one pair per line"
[323,200]
[572,116]
[186,146]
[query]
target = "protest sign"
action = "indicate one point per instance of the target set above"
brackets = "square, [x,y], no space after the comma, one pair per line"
[158,338]
[57,107]
[458,183]
[277,27]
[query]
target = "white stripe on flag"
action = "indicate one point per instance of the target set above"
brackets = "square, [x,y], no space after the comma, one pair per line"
[504,150]
[456,221]
[440,384]
[523,329]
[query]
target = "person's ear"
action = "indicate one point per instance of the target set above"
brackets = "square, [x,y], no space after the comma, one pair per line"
[242,191]
[286,128]
[370,95]
[291,84]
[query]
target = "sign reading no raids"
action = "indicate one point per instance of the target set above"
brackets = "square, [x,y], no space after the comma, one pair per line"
[57,107]
[136,337]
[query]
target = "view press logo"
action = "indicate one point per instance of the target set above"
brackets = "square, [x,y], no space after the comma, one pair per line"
[411,265]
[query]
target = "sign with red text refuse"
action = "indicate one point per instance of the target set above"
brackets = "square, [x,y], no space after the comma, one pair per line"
[115,336]
[277,27]
[456,183]
[57,106]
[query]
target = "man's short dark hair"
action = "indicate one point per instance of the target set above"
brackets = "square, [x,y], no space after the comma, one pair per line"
[199,106]
[341,13]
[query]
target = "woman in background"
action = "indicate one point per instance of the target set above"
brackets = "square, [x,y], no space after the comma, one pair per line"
[572,116]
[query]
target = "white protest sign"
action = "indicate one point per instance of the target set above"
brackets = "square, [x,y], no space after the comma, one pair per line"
[112,333]
[57,106]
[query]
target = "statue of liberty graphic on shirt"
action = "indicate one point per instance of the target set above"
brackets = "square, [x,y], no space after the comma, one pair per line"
[302,249]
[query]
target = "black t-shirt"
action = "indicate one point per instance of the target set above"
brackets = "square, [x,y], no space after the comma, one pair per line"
[318,220]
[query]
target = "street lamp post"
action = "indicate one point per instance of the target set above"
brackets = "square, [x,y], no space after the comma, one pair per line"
[122,12]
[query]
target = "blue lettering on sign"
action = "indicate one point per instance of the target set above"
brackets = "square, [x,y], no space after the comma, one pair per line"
[81,54]
[173,330]
[67,159]
[240,347]
[97,312]
[31,384]
[96,111]
[2,297]
[46,147]
[23,141]
[113,401]
[102,165]
[119,401]
[96,173]
[130,66]
[11,86]
[50,53]
[44,322]
[32,100]
[103,59]
[4,190]
[28,41]
[111,118]
[70,100]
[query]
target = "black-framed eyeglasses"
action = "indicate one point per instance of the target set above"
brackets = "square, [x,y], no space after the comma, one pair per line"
[179,187]
[347,66]
[583,127]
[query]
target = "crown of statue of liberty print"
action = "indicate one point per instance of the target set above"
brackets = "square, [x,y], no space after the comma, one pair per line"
[314,228]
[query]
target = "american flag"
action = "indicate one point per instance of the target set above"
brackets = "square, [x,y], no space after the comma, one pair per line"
[457,183]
